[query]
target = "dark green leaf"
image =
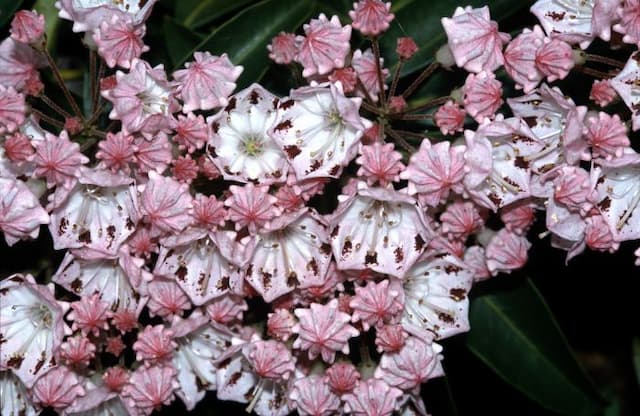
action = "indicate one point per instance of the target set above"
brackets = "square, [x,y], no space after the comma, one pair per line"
[7,9]
[179,39]
[515,334]
[197,13]
[48,9]
[421,20]
[245,37]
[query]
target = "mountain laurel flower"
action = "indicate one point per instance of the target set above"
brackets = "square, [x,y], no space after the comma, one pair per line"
[342,377]
[58,389]
[27,26]
[21,214]
[364,63]
[226,309]
[90,315]
[155,345]
[208,212]
[77,351]
[87,15]
[506,251]
[627,85]
[185,169]
[280,323]
[323,330]
[474,39]
[117,152]
[380,163]
[519,216]
[569,21]
[460,219]
[406,47]
[12,109]
[555,59]
[115,378]
[154,155]
[192,132]
[283,48]
[372,394]
[166,299]
[390,338]
[206,82]
[19,64]
[607,135]
[58,160]
[251,206]
[166,203]
[150,387]
[324,47]
[270,359]
[15,399]
[629,25]
[375,304]
[119,42]
[602,93]
[31,327]
[371,17]
[312,396]
[482,95]
[18,148]
[449,118]
[520,59]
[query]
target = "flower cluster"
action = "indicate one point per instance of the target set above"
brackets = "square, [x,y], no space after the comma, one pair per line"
[202,253]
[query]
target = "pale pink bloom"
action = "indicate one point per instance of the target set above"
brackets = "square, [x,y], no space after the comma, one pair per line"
[114,345]
[87,15]
[572,187]
[32,327]
[324,47]
[201,263]
[115,378]
[20,211]
[58,160]
[19,64]
[607,135]
[58,388]
[154,345]
[283,48]
[390,338]
[99,213]
[372,397]
[251,206]
[206,82]
[417,362]
[90,315]
[474,258]
[342,377]
[166,299]
[244,152]
[406,47]
[364,63]
[270,359]
[627,85]
[319,130]
[518,217]
[142,99]
[375,304]
[449,118]
[208,212]
[166,203]
[436,300]
[313,397]
[598,236]
[142,243]
[482,95]
[150,387]
[378,229]
[474,39]
[125,320]
[461,219]
[567,228]
[602,92]
[506,251]
[295,252]
[18,148]
[280,323]
[434,171]
[603,17]
[371,17]
[119,41]
[27,26]
[116,152]
[443,245]
[629,24]
[554,59]
[77,351]
[289,197]
[184,169]
[568,20]
[154,155]
[226,309]
[12,109]
[520,59]
[15,399]
[347,78]
[379,163]
[191,131]
[73,125]
[323,330]
[116,282]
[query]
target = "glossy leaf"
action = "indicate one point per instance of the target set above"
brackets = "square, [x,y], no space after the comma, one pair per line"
[421,20]
[197,13]
[245,37]
[179,39]
[7,9]
[515,334]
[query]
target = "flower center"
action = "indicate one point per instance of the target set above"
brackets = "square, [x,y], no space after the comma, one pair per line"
[253,146]
[41,316]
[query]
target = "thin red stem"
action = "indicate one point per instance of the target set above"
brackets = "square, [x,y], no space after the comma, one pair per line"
[61,83]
